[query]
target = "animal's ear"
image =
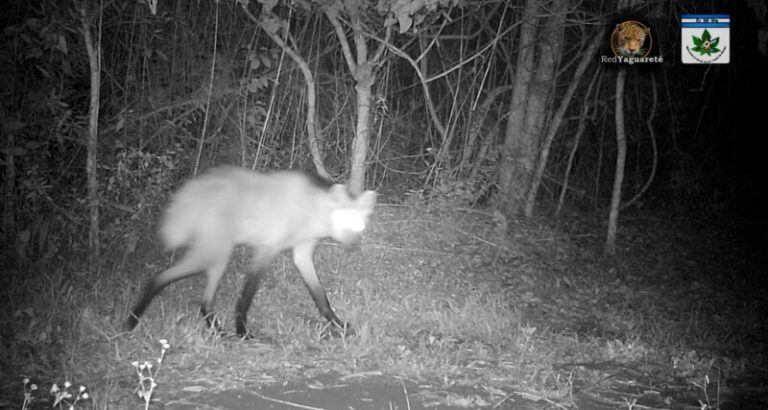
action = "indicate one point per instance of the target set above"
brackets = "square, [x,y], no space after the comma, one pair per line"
[367,200]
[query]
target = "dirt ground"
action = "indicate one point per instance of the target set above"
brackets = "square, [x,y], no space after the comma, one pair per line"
[388,392]
[365,392]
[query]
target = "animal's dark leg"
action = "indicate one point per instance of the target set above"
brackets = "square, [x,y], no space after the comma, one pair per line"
[253,280]
[192,263]
[302,258]
[217,264]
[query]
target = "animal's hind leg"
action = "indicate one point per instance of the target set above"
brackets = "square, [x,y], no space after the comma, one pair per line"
[259,266]
[191,263]
[217,264]
[302,258]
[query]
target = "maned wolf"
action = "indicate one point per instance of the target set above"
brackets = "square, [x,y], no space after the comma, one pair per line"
[228,206]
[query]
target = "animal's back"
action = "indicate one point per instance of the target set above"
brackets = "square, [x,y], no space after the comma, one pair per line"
[231,205]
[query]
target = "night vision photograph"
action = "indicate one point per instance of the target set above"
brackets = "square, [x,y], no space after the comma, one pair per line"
[389,204]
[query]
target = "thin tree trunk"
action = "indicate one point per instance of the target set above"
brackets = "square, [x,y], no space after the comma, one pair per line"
[271,24]
[576,139]
[361,65]
[549,51]
[569,163]
[362,134]
[621,154]
[654,148]
[476,121]
[364,77]
[586,59]
[549,48]
[517,158]
[94,62]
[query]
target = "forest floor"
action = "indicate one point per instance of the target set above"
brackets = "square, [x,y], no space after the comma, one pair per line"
[451,308]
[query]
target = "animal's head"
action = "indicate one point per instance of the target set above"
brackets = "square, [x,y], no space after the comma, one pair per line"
[631,37]
[349,215]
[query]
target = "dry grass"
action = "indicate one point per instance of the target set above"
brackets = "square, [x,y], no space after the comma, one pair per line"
[446,297]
